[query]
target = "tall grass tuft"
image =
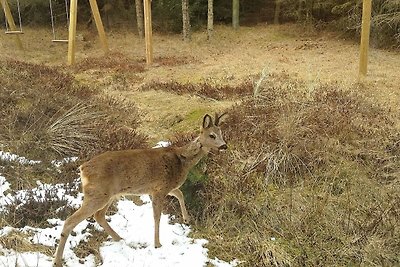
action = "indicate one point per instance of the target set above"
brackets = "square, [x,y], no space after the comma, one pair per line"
[311,179]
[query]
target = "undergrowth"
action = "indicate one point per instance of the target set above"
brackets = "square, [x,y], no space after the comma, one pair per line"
[311,179]
[114,61]
[205,90]
[46,114]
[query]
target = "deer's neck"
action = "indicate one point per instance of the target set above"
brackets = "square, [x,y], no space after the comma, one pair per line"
[191,153]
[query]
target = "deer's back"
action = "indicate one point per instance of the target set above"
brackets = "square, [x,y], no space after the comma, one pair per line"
[138,171]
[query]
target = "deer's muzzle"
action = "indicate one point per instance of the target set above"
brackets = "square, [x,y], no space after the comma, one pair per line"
[223,147]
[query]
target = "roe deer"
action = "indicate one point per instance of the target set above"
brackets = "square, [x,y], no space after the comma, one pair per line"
[158,172]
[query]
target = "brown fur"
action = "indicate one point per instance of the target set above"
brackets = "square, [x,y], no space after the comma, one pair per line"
[158,172]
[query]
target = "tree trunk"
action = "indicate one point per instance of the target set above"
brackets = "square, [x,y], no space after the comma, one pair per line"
[309,12]
[235,14]
[139,18]
[300,11]
[186,20]
[210,21]
[277,11]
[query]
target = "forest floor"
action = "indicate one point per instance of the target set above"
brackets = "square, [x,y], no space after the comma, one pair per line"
[312,120]
[230,58]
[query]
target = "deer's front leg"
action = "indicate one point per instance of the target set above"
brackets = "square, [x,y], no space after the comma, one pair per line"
[158,201]
[178,194]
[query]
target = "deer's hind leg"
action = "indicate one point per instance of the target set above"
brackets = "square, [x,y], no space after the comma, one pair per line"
[100,217]
[88,208]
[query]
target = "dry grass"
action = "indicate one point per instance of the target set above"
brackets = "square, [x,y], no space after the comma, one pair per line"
[33,209]
[311,179]
[45,115]
[204,90]
[115,61]
[19,242]
[313,166]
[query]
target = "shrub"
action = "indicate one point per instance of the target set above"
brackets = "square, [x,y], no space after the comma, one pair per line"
[303,182]
[205,90]
[45,115]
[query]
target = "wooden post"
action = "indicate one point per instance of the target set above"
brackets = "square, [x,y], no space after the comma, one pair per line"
[11,23]
[365,32]
[72,31]
[148,31]
[99,24]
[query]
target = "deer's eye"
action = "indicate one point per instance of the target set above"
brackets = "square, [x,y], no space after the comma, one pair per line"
[212,136]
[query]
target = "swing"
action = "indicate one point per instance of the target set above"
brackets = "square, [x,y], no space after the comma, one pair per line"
[8,30]
[53,19]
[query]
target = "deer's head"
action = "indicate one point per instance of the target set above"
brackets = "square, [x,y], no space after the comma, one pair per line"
[211,135]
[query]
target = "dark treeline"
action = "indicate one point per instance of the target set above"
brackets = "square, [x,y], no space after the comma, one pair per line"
[341,15]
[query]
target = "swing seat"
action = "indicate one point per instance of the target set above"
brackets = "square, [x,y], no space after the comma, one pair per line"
[59,41]
[14,32]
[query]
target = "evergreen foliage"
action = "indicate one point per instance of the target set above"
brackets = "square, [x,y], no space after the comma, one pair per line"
[342,15]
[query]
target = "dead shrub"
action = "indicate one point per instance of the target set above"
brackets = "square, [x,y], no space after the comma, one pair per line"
[34,207]
[174,61]
[205,90]
[311,172]
[20,242]
[46,115]
[114,61]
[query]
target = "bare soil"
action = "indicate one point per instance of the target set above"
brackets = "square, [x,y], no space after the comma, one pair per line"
[230,58]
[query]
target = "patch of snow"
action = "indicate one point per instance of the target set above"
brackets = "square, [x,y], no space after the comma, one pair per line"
[162,144]
[4,185]
[28,259]
[7,156]
[59,163]
[220,263]
[133,223]
[41,193]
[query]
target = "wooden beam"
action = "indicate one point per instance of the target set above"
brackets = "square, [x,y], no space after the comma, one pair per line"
[14,32]
[72,31]
[11,23]
[148,31]
[365,32]
[99,25]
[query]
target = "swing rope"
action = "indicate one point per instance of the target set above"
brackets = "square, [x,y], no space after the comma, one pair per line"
[19,17]
[52,15]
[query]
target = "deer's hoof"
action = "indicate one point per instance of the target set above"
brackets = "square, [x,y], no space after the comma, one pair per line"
[157,245]
[117,239]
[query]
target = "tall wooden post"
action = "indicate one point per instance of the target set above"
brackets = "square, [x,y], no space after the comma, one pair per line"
[72,31]
[99,25]
[11,22]
[148,31]
[365,32]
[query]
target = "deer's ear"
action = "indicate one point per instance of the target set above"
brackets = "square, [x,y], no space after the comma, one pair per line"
[207,121]
[218,118]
